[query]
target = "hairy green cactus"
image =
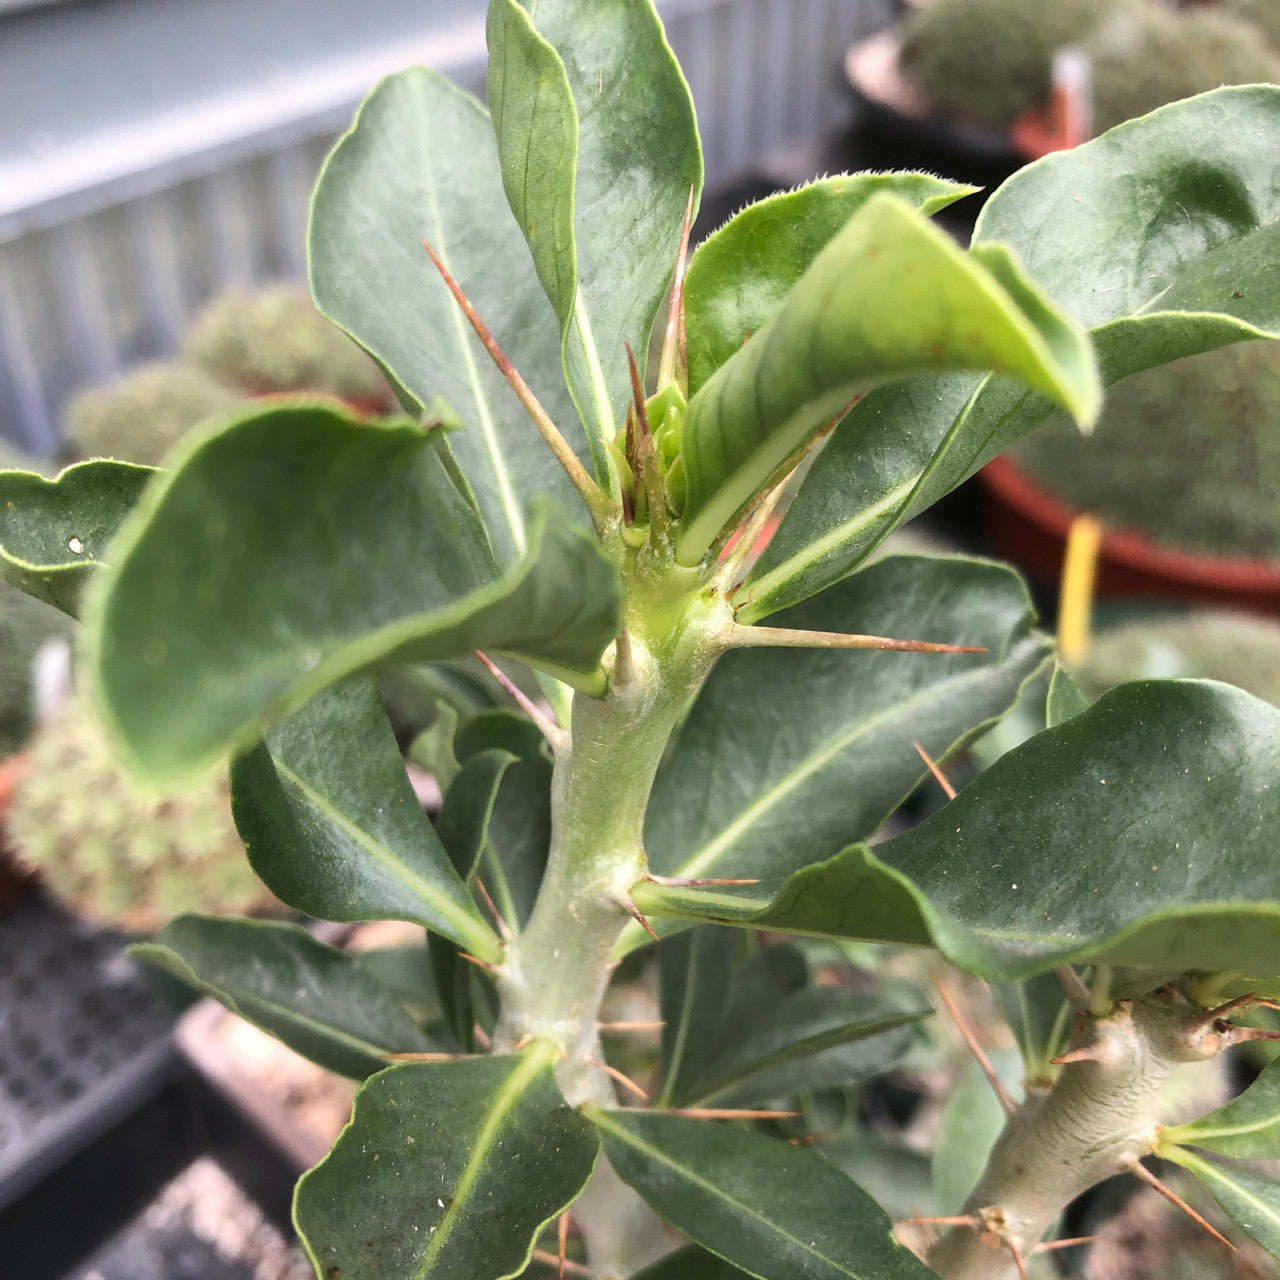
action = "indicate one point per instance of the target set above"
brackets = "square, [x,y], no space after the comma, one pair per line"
[992,59]
[142,417]
[1188,454]
[1264,15]
[1146,57]
[275,340]
[1235,648]
[25,625]
[115,853]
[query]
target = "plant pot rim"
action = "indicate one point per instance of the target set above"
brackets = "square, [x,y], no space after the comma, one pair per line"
[1126,548]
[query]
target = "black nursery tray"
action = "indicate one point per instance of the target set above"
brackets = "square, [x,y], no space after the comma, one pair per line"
[84,1039]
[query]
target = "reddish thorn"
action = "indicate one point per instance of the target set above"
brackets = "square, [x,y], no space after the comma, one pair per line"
[680,882]
[626,1081]
[724,1113]
[493,910]
[1139,1170]
[625,902]
[479,964]
[939,777]
[971,1040]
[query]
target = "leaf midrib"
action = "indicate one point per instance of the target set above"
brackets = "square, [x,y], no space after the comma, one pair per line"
[661,1158]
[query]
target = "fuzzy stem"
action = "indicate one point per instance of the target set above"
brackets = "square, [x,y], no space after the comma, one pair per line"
[1096,1121]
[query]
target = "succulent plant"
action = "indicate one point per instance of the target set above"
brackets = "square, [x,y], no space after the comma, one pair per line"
[1188,454]
[1207,645]
[25,625]
[116,853]
[275,340]
[992,59]
[142,417]
[1147,56]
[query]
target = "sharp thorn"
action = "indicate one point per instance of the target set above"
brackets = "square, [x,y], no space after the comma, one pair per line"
[738,550]
[624,901]
[1049,1246]
[570,1268]
[427,1057]
[521,1043]
[938,776]
[482,1037]
[680,882]
[1074,986]
[546,723]
[971,1041]
[562,1244]
[617,1075]
[1240,1002]
[1139,1170]
[591,492]
[670,364]
[629,1026]
[743,637]
[956,1220]
[493,910]
[1089,1053]
[479,964]
[1017,1258]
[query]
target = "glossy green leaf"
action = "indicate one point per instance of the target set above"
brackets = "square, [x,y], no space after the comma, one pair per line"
[739,276]
[897,1177]
[889,297]
[1140,833]
[463,823]
[970,1124]
[333,827]
[1248,1126]
[420,162]
[818,1038]
[694,973]
[691,1263]
[1250,1200]
[54,533]
[600,149]
[296,546]
[770,1208]
[316,999]
[1164,245]
[447,1171]
[519,829]
[820,742]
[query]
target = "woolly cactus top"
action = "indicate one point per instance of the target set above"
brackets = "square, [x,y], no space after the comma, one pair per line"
[275,340]
[1188,454]
[115,853]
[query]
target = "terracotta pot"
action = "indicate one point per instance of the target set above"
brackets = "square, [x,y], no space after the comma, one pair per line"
[1028,525]
[15,881]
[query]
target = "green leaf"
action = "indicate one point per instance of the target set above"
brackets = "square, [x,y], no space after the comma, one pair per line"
[819,1038]
[519,830]
[420,162]
[1140,833]
[333,827]
[463,824]
[1248,1126]
[447,1171]
[739,276]
[889,297]
[694,973]
[1065,699]
[1164,245]
[971,1122]
[298,545]
[820,742]
[54,533]
[317,1000]
[770,1208]
[1250,1200]
[691,1263]
[1039,1016]
[612,145]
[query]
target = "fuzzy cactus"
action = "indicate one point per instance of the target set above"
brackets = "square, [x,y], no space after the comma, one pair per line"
[275,340]
[117,854]
[142,417]
[1208,645]
[1188,454]
[25,625]
[992,59]
[1148,56]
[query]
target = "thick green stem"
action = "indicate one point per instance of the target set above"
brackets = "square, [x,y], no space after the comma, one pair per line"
[554,974]
[1097,1120]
